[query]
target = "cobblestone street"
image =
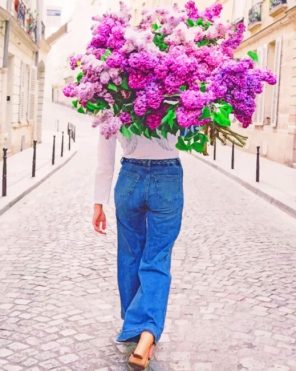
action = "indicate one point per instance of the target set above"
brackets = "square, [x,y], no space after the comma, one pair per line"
[233,297]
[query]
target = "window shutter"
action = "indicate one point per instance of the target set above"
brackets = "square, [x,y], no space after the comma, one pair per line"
[261,98]
[255,117]
[32,107]
[21,108]
[275,90]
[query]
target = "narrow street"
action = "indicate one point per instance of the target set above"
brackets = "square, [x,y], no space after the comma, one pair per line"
[232,304]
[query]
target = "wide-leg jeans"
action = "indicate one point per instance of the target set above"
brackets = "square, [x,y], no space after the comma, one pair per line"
[149,202]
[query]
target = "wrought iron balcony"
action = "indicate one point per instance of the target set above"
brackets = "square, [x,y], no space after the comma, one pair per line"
[255,15]
[277,6]
[43,29]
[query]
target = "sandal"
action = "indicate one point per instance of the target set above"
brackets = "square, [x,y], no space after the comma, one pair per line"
[141,356]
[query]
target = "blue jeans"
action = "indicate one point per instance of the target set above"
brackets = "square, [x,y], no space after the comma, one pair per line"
[149,202]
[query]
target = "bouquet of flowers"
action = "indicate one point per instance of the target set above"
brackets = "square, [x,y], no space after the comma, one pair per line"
[175,72]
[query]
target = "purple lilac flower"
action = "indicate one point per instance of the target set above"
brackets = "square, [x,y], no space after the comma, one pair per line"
[143,61]
[140,105]
[116,60]
[154,95]
[192,10]
[187,117]
[212,12]
[138,80]
[75,61]
[85,91]
[125,118]
[70,90]
[194,100]
[153,120]
[235,38]
[108,123]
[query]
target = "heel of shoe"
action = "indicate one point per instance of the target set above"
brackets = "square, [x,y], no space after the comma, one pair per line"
[144,345]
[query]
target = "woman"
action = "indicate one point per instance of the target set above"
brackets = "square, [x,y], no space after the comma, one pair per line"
[149,201]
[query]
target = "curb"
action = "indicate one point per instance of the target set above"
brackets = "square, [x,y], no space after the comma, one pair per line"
[272,200]
[35,185]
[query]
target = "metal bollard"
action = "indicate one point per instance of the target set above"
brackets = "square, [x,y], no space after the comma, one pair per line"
[258,164]
[215,149]
[62,146]
[232,156]
[53,150]
[34,158]
[4,173]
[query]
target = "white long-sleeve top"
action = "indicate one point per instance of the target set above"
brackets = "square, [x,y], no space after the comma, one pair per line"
[136,147]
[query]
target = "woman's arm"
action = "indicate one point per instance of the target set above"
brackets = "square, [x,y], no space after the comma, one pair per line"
[106,149]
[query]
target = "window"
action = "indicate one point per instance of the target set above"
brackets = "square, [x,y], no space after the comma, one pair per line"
[277,61]
[23,92]
[267,103]
[260,99]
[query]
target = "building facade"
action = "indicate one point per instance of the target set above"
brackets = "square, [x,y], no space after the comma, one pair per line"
[22,71]
[271,31]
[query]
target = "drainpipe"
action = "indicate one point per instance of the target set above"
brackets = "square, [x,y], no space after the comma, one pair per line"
[39,28]
[6,36]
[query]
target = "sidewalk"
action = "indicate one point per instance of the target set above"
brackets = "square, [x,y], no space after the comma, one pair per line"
[19,167]
[277,182]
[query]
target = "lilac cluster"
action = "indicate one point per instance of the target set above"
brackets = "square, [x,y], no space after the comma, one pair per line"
[238,83]
[180,56]
[108,123]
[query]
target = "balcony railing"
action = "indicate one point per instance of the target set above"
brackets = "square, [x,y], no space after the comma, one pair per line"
[277,6]
[42,29]
[255,15]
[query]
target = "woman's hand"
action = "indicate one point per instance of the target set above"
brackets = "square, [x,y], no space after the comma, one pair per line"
[99,219]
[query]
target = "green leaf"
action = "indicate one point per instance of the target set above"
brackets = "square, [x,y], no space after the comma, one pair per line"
[181,145]
[79,76]
[112,87]
[159,42]
[199,22]
[81,110]
[198,147]
[183,87]
[116,109]
[169,118]
[190,22]
[163,131]
[202,138]
[124,84]
[147,133]
[221,119]
[155,26]
[206,113]
[203,87]
[91,106]
[125,131]
[207,25]
[154,134]
[107,54]
[203,42]
[226,107]
[102,104]
[253,55]
[135,129]
[75,103]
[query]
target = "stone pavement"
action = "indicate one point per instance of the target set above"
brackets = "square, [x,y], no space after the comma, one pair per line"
[233,300]
[19,167]
[277,181]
